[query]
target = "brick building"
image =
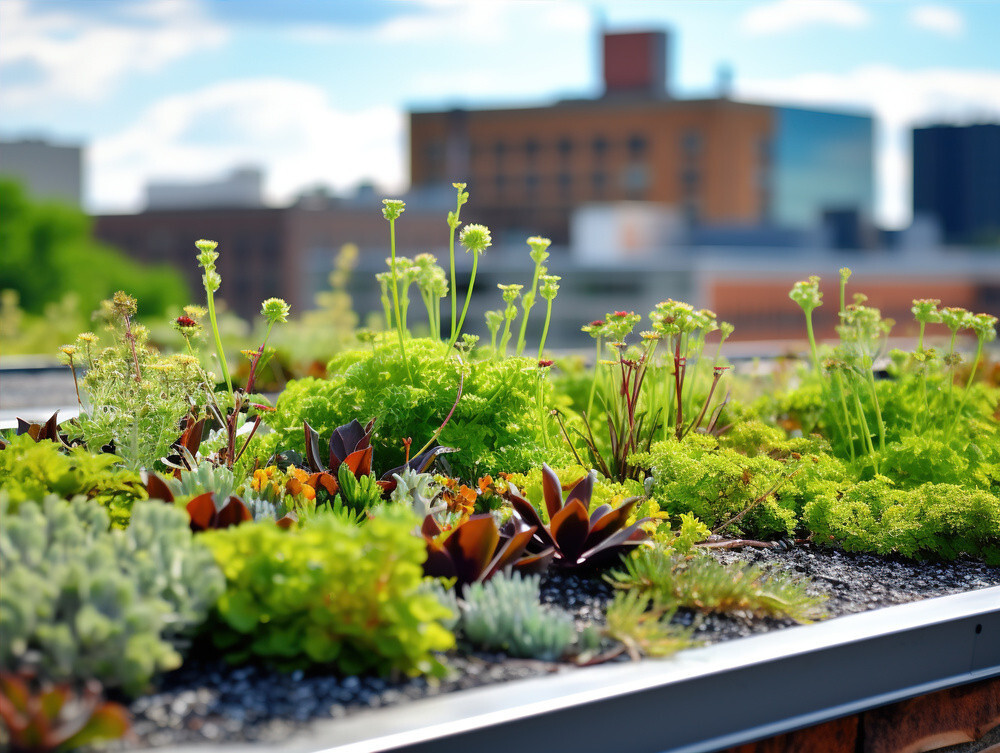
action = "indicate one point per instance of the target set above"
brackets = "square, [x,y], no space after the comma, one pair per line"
[718,161]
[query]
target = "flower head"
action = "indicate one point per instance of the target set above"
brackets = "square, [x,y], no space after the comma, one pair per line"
[186,326]
[510,292]
[124,304]
[806,293]
[925,310]
[544,364]
[392,208]
[549,286]
[275,310]
[538,248]
[475,238]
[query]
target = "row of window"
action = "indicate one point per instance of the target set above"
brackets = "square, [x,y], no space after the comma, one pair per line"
[635,146]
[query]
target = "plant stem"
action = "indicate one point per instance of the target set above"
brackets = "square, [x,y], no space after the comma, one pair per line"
[468,297]
[395,296]
[210,298]
[526,304]
[593,384]
[131,341]
[878,408]
[545,329]
[812,343]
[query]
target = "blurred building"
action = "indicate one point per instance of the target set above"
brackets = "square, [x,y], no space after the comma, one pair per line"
[263,252]
[715,161]
[243,187]
[956,181]
[48,171]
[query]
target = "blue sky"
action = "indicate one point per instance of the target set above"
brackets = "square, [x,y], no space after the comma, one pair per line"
[316,91]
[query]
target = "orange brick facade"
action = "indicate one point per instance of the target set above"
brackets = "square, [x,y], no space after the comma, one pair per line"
[529,167]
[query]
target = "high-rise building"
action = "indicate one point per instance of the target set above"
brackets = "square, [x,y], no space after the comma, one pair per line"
[717,161]
[48,171]
[956,181]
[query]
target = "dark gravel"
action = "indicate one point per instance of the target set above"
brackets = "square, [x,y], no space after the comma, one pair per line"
[207,700]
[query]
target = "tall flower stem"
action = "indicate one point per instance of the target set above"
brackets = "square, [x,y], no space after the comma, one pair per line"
[468,297]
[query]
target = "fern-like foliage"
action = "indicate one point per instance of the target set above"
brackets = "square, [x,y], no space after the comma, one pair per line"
[644,628]
[705,585]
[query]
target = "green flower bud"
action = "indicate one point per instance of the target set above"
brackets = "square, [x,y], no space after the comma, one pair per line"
[538,246]
[392,208]
[549,286]
[510,292]
[275,310]
[806,293]
[475,238]
[925,310]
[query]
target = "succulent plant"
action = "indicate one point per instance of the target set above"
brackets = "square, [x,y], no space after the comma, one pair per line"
[578,538]
[476,550]
[350,445]
[506,614]
[41,717]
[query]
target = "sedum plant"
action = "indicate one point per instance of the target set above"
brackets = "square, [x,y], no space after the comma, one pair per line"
[46,716]
[80,601]
[29,470]
[330,593]
[505,614]
[489,425]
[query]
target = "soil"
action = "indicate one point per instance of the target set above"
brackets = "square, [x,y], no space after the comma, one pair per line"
[209,701]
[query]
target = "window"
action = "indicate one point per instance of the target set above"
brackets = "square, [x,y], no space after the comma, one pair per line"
[691,144]
[600,146]
[531,184]
[565,183]
[499,149]
[637,146]
[635,181]
[531,149]
[598,182]
[565,147]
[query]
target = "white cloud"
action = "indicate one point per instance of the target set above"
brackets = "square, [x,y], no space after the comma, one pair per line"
[789,15]
[291,129]
[899,99]
[937,18]
[82,55]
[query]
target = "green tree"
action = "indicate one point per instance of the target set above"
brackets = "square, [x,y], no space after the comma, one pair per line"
[47,250]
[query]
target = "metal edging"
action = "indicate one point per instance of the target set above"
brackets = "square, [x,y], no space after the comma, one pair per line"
[702,700]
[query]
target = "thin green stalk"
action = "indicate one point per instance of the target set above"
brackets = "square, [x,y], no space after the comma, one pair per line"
[878,408]
[527,302]
[593,384]
[848,434]
[968,387]
[468,297]
[395,296]
[545,329]
[210,297]
[812,344]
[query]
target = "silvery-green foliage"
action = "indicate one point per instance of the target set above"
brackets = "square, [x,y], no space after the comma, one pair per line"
[261,509]
[419,490]
[447,597]
[504,613]
[80,600]
[205,478]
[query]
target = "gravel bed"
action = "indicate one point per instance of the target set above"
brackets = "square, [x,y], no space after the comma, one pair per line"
[208,701]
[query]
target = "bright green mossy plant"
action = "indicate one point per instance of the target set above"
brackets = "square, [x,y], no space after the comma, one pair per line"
[82,601]
[493,425]
[29,470]
[932,520]
[329,592]
[727,490]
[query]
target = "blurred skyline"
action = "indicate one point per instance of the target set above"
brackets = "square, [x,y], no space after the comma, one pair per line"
[316,92]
